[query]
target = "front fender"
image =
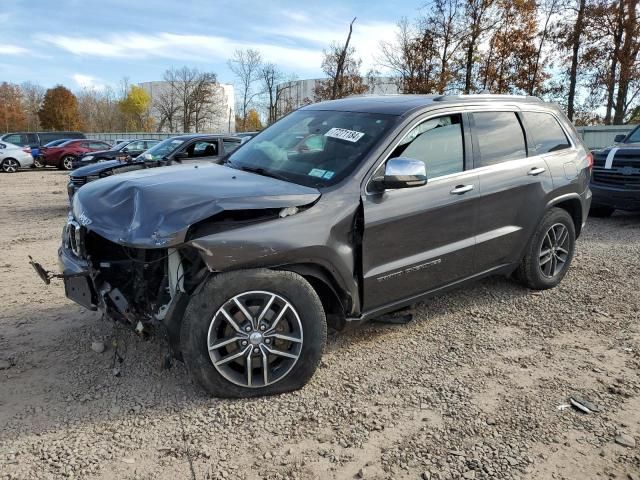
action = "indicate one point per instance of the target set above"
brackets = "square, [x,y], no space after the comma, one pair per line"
[319,236]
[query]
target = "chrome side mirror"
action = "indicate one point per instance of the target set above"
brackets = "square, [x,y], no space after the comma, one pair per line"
[402,172]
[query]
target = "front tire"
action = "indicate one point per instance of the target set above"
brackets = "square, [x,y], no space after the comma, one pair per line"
[10,165]
[550,251]
[253,332]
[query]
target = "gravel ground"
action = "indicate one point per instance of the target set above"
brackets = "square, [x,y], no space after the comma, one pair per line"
[469,389]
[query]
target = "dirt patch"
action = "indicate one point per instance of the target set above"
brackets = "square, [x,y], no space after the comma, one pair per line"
[470,388]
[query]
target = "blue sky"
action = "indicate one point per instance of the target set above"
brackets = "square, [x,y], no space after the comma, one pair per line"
[95,43]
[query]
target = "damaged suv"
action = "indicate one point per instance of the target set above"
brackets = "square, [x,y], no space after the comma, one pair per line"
[337,213]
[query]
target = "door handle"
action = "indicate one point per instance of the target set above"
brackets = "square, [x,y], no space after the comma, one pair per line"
[460,189]
[536,171]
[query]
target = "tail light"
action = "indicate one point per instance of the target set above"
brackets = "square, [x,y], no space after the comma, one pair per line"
[26,150]
[590,160]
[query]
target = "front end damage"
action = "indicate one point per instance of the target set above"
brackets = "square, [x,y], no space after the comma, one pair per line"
[134,247]
[145,288]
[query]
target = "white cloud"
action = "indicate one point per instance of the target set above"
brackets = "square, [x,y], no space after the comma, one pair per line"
[183,47]
[8,49]
[88,82]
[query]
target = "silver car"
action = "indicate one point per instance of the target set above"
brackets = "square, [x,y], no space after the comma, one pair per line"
[13,157]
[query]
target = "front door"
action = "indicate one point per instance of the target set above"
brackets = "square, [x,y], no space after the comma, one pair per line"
[418,239]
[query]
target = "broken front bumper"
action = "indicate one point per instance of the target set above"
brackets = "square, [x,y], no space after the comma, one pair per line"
[78,283]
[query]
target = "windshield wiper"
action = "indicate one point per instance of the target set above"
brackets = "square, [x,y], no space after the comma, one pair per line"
[263,172]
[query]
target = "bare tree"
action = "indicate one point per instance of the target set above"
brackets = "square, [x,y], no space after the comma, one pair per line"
[342,68]
[412,57]
[246,66]
[275,86]
[186,99]
[478,21]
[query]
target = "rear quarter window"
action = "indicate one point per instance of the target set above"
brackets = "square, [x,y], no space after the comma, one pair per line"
[545,132]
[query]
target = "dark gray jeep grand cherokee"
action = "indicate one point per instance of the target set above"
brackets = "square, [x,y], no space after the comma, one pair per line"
[339,212]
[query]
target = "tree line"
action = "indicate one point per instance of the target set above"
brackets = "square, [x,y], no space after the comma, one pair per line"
[581,54]
[187,100]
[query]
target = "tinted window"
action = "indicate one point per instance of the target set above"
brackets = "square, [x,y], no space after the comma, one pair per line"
[99,146]
[438,143]
[230,145]
[499,137]
[151,143]
[136,146]
[203,149]
[546,132]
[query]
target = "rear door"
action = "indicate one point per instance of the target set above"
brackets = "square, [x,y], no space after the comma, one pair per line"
[418,239]
[514,183]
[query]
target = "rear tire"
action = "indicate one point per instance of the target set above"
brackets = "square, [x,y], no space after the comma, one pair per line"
[602,212]
[216,329]
[10,165]
[550,251]
[67,162]
[38,162]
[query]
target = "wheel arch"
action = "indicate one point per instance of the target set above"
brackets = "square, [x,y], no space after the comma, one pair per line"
[335,301]
[573,206]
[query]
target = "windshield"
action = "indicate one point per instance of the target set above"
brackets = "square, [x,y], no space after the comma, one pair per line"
[634,137]
[315,148]
[120,146]
[162,149]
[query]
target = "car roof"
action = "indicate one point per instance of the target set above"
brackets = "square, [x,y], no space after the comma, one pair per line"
[399,104]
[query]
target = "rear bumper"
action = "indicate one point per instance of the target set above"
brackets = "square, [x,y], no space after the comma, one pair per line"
[618,198]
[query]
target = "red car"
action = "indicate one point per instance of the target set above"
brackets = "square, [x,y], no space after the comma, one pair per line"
[63,155]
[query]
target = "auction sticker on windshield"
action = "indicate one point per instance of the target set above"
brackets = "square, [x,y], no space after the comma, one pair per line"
[344,134]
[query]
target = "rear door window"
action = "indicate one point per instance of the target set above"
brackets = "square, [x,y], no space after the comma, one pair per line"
[499,138]
[546,132]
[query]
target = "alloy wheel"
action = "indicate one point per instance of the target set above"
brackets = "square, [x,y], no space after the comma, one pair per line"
[554,251]
[10,165]
[255,339]
[67,163]
[38,162]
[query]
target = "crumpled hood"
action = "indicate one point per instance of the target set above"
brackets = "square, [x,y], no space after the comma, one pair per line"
[155,207]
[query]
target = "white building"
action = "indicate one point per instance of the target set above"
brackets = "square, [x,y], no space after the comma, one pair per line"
[301,92]
[218,116]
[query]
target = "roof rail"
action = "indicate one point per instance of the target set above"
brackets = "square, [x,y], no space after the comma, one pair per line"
[486,96]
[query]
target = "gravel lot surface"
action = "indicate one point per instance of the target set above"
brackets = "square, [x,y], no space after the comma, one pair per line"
[469,389]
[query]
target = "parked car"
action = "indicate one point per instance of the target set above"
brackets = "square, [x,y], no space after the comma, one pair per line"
[244,263]
[615,182]
[122,151]
[181,149]
[14,157]
[38,158]
[62,156]
[35,140]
